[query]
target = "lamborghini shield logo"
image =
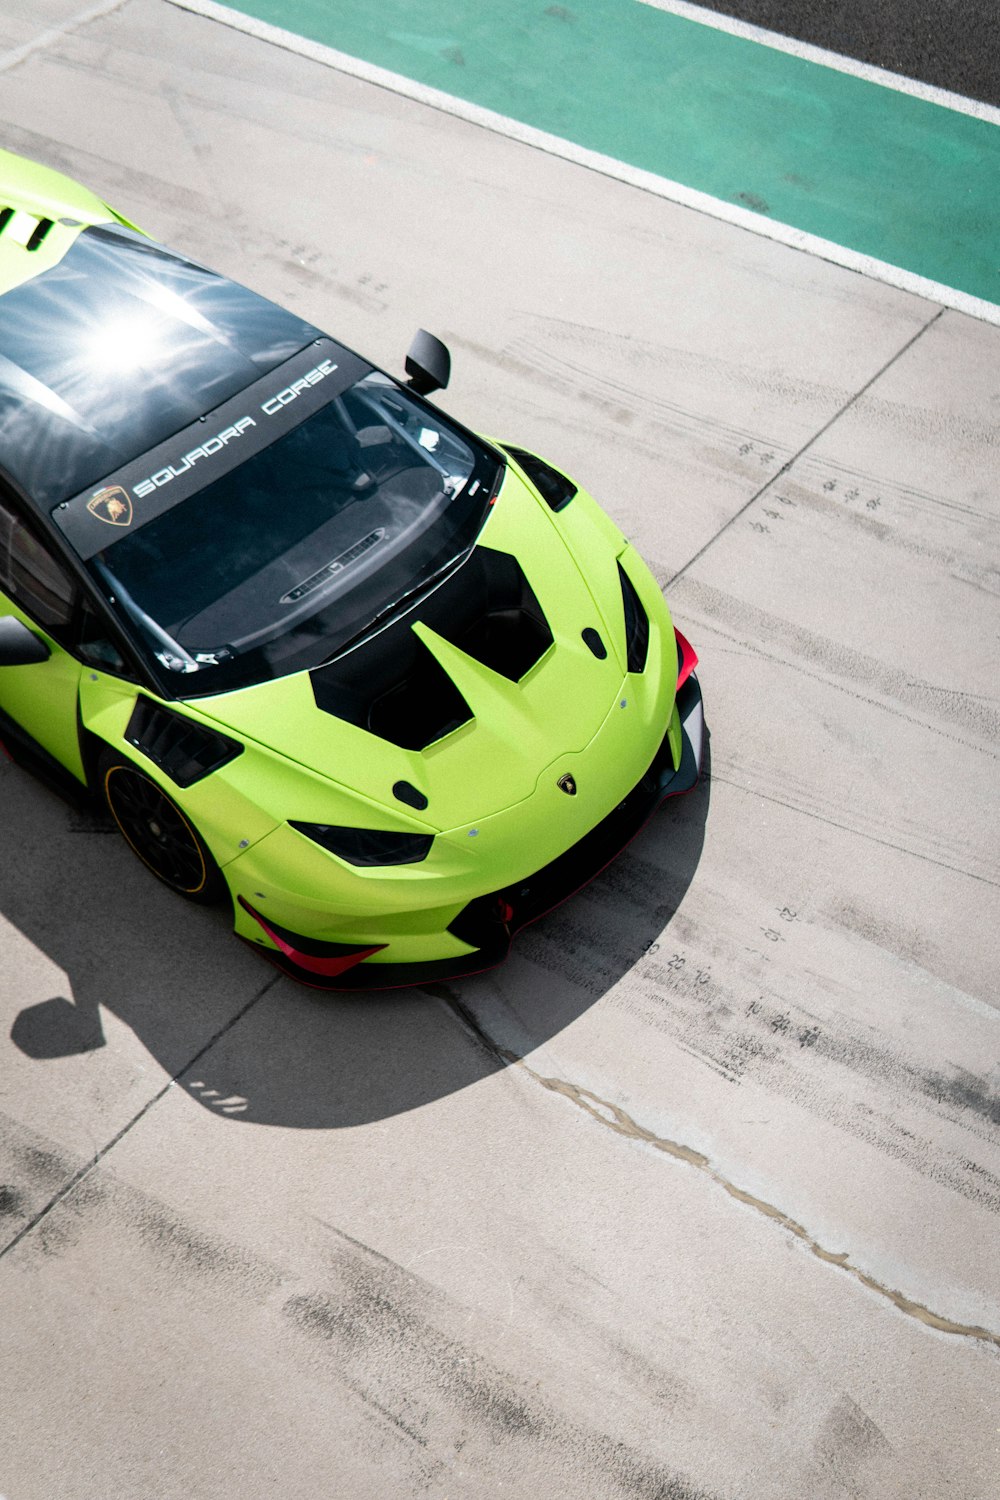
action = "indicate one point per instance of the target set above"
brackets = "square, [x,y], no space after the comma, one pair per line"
[567,784]
[112,504]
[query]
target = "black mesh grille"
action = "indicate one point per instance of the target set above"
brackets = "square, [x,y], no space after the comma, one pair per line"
[184,750]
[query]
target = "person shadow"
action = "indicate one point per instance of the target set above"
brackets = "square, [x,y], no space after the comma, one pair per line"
[252,1045]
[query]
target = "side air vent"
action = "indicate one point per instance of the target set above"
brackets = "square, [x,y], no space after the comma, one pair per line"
[394,687]
[184,750]
[636,624]
[555,489]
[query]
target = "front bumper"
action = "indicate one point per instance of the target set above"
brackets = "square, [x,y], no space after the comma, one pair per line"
[489,923]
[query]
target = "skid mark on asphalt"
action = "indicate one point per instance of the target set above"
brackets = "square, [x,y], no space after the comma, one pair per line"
[842,667]
[386,1335]
[884,497]
[363,1323]
[48,1166]
[774,993]
[902,835]
[756,1031]
[567,357]
[54,34]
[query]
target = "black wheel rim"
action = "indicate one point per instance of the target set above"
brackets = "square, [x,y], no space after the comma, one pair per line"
[156,830]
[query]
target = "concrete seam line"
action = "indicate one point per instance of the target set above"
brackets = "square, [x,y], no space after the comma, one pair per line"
[98,1157]
[814,438]
[607,166]
[53,33]
[838,61]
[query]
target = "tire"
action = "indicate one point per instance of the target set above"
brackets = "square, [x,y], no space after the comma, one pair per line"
[158,832]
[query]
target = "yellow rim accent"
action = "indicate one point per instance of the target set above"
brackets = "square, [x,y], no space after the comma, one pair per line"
[187,890]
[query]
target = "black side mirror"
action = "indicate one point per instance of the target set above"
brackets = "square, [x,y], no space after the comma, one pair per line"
[428,363]
[19,646]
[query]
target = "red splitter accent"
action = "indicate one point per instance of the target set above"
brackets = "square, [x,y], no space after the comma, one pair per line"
[687,659]
[329,968]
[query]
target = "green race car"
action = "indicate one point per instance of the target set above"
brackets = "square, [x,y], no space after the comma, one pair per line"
[390,689]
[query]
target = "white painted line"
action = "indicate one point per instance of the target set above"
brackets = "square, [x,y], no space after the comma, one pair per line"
[835,60]
[52,34]
[553,145]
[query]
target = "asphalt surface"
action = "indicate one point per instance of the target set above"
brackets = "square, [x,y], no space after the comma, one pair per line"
[697,1197]
[713,119]
[953,45]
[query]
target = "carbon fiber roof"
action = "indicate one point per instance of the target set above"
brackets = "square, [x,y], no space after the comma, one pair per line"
[117,347]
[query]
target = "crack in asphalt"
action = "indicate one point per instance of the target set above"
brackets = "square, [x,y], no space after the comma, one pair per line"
[617,1119]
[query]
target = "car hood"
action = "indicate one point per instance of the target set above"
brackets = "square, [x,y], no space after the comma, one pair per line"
[424,673]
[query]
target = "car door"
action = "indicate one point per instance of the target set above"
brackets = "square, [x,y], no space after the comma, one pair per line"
[39,701]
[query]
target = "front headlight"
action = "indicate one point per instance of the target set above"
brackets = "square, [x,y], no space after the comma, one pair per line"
[368,846]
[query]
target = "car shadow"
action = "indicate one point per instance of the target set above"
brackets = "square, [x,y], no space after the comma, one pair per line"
[254,1046]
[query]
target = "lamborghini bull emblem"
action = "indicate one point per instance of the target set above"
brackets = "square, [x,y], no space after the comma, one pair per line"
[567,784]
[112,504]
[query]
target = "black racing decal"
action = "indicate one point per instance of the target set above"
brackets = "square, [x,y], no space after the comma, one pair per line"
[206,449]
[272,406]
[190,460]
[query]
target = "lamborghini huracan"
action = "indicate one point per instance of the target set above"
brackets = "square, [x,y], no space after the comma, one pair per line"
[390,689]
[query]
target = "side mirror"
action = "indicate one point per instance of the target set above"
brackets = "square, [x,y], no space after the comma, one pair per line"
[19,646]
[428,364]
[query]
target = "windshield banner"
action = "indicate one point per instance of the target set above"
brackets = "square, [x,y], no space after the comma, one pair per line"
[209,448]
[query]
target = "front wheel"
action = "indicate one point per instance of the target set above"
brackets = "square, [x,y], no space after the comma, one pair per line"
[158,832]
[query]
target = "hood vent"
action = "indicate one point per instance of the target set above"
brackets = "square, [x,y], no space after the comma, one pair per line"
[394,687]
[488,610]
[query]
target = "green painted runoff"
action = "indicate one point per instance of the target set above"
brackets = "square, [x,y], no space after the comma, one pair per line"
[883,173]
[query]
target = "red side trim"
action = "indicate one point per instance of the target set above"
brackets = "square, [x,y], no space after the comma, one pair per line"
[329,968]
[687,659]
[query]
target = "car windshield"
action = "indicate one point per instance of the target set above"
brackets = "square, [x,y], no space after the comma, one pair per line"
[281,562]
